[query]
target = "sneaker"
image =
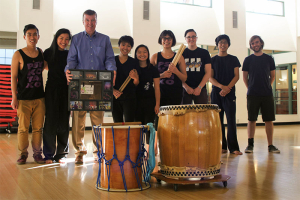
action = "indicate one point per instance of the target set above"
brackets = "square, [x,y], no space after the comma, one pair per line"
[79,160]
[22,160]
[273,149]
[39,159]
[249,149]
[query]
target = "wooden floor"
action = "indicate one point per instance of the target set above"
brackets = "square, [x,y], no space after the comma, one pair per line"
[260,175]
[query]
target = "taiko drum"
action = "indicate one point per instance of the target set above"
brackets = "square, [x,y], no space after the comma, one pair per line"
[190,140]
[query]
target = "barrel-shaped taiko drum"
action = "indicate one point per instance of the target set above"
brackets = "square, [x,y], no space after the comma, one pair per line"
[190,140]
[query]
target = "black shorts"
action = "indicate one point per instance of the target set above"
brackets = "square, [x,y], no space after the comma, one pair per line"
[265,104]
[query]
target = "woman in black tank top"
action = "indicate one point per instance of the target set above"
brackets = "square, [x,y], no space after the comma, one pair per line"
[171,77]
[56,100]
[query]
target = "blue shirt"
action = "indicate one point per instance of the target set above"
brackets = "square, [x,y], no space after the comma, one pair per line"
[91,53]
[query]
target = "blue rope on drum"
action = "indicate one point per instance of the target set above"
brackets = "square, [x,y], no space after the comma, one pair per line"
[135,165]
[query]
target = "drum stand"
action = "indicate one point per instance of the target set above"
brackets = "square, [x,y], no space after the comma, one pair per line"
[218,178]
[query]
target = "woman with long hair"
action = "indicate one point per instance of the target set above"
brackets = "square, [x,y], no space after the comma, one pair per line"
[56,128]
[148,91]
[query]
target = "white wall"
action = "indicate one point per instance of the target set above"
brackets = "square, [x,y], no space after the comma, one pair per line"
[274,30]
[179,18]
[113,16]
[9,15]
[284,58]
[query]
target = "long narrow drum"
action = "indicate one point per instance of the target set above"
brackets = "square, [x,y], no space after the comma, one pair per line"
[121,157]
[190,140]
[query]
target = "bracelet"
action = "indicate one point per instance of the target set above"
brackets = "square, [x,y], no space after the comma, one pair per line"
[199,87]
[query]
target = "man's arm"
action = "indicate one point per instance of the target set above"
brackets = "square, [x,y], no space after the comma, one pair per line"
[110,63]
[235,78]
[272,77]
[245,78]
[14,78]
[205,78]
[72,60]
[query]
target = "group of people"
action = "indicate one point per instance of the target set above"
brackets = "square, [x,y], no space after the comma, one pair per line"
[155,81]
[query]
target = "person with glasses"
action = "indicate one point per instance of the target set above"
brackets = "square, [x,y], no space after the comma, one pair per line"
[171,76]
[224,76]
[198,69]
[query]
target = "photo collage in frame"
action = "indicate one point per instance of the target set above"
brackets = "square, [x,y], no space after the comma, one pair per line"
[91,90]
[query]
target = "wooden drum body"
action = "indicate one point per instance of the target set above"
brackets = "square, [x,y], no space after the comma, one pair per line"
[190,140]
[121,157]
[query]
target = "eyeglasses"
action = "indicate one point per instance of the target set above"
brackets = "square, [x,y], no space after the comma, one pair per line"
[193,37]
[167,38]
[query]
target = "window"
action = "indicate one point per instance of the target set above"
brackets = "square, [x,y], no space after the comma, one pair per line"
[6,56]
[285,89]
[202,3]
[268,7]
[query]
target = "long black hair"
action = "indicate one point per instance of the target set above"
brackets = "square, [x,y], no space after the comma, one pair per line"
[148,59]
[54,46]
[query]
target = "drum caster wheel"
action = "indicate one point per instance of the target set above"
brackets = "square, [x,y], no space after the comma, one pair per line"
[175,187]
[158,180]
[225,183]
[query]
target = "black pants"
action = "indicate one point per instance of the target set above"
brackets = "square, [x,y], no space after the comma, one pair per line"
[189,98]
[124,110]
[145,112]
[56,128]
[167,102]
[227,104]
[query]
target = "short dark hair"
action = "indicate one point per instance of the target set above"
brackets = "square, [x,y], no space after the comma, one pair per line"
[221,37]
[253,38]
[30,26]
[189,30]
[126,39]
[169,33]
[89,12]
[148,59]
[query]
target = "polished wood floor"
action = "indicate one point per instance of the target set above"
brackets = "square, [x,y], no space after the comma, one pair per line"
[260,175]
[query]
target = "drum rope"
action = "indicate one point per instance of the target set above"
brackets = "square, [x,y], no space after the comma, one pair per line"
[139,160]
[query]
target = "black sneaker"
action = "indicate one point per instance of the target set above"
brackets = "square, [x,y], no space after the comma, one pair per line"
[273,149]
[249,149]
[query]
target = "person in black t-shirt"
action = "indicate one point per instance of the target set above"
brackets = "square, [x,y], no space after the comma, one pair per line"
[225,74]
[258,76]
[148,90]
[198,69]
[56,98]
[124,103]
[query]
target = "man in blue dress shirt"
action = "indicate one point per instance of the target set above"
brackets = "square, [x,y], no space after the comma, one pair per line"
[89,50]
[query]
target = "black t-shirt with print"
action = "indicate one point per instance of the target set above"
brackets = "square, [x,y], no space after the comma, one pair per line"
[195,61]
[145,88]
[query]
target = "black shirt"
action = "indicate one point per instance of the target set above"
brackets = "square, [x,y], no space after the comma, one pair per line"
[223,67]
[195,65]
[122,73]
[145,88]
[169,87]
[56,74]
[30,78]
[259,68]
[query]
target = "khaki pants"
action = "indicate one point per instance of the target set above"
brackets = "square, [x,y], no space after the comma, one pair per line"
[34,110]
[78,127]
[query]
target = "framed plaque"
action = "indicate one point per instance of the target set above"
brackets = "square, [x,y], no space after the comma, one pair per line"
[91,90]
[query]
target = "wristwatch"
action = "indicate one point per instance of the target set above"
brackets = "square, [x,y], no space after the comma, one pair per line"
[199,87]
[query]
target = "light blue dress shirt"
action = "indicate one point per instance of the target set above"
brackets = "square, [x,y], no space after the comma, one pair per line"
[91,53]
